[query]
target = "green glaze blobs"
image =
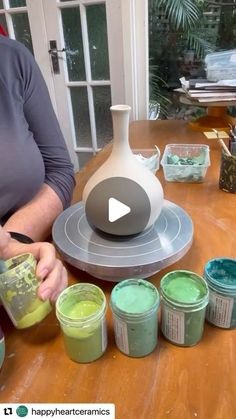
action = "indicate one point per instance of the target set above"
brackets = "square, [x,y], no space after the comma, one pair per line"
[184,297]
[220,274]
[81,310]
[134,304]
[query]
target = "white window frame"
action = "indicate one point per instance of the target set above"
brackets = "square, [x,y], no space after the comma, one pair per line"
[129,57]
[135,44]
[127,27]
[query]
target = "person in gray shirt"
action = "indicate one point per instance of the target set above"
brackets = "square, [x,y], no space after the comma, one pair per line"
[36,174]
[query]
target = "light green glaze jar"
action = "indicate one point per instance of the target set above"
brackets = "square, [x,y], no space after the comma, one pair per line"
[81,310]
[18,292]
[134,304]
[184,297]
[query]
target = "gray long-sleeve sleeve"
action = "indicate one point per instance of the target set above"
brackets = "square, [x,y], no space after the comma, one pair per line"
[32,148]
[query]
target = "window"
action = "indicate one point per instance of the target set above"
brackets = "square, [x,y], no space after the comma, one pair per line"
[180,35]
[14,19]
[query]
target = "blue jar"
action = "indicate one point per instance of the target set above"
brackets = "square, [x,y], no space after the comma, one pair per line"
[2,348]
[220,274]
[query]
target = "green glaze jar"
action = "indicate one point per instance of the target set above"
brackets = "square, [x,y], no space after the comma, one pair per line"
[2,347]
[81,310]
[134,304]
[18,292]
[184,297]
[220,274]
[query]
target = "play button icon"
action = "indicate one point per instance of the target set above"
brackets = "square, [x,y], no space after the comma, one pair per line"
[118,206]
[116,209]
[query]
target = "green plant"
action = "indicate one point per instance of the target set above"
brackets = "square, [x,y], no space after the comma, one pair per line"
[182,14]
[183,29]
[155,91]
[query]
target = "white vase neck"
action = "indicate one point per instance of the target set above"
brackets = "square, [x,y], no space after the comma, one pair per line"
[120,118]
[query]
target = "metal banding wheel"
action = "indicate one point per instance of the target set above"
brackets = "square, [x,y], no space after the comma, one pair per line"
[114,258]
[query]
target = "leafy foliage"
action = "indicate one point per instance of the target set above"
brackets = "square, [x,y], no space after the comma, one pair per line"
[200,45]
[181,13]
[155,93]
[186,22]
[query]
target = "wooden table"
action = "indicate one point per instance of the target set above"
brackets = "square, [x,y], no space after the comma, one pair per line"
[172,382]
[216,114]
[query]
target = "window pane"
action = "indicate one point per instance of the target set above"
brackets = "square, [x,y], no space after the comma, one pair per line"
[3,22]
[79,99]
[73,43]
[1,5]
[84,158]
[178,44]
[17,3]
[97,33]
[102,103]
[22,30]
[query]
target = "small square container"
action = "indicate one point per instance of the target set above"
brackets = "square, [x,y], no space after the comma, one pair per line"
[185,162]
[221,65]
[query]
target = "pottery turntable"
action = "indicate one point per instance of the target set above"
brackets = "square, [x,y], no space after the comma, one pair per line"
[123,227]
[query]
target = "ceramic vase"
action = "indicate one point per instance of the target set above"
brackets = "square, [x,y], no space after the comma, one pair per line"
[123,179]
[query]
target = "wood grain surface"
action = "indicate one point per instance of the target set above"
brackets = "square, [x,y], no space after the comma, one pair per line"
[172,382]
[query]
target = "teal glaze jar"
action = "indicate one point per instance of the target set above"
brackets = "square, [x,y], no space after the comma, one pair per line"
[2,347]
[134,304]
[220,274]
[184,297]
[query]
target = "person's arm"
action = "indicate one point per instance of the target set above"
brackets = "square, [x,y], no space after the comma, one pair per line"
[35,219]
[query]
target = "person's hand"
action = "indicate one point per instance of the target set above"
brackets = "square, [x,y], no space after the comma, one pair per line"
[49,268]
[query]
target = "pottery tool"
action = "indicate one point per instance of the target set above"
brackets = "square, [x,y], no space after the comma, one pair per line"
[232,139]
[222,143]
[233,148]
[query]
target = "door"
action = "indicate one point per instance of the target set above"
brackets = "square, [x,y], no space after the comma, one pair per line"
[92,53]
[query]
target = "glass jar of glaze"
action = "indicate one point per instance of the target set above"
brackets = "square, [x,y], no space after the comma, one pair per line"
[81,310]
[134,304]
[19,292]
[184,297]
[220,274]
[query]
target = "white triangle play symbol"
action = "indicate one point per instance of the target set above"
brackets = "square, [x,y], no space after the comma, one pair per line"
[116,209]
